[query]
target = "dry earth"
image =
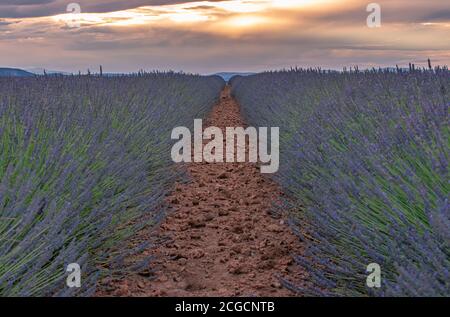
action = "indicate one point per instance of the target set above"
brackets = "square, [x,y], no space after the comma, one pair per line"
[219,239]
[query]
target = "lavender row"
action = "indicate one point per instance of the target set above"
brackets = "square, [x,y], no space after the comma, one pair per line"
[80,159]
[364,159]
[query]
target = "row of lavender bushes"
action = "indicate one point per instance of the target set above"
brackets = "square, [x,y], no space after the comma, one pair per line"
[364,159]
[81,158]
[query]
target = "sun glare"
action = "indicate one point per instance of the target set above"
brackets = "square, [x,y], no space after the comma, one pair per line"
[228,13]
[246,21]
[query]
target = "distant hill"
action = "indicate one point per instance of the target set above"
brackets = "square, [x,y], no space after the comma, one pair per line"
[229,75]
[42,71]
[14,72]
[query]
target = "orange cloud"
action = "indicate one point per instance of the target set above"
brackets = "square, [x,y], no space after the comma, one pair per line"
[206,36]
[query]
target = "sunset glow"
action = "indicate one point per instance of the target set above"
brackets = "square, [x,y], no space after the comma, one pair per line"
[261,33]
[244,13]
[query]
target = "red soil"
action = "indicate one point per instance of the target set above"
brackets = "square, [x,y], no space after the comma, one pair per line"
[220,238]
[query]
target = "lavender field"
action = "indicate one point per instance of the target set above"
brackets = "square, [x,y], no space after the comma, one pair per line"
[224,156]
[364,163]
[85,166]
[82,158]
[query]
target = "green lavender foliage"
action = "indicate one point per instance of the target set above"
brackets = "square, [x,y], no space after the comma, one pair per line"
[364,159]
[81,158]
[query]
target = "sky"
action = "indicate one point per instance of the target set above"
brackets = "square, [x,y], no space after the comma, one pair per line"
[213,36]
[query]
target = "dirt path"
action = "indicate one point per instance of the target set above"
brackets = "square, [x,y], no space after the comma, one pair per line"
[220,238]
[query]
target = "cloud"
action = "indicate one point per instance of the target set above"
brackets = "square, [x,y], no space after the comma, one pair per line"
[208,36]
[41,8]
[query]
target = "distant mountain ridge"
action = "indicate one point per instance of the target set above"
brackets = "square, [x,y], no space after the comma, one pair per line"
[43,71]
[30,72]
[14,72]
[228,75]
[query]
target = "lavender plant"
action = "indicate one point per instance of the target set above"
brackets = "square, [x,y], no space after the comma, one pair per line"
[364,159]
[80,157]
